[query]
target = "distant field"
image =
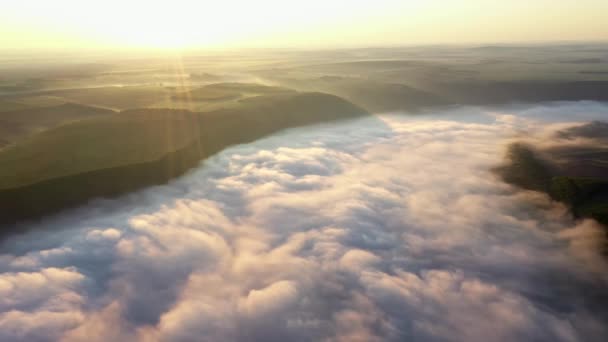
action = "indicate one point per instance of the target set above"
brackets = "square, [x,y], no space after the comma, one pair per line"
[118,98]
[41,101]
[228,91]
[383,79]
[186,96]
[370,94]
[408,79]
[218,95]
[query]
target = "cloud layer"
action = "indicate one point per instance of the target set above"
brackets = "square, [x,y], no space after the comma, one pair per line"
[386,228]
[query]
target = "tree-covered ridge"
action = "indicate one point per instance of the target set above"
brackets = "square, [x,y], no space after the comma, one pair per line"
[574,175]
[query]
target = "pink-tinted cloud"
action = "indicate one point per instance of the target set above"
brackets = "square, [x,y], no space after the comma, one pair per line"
[389,228]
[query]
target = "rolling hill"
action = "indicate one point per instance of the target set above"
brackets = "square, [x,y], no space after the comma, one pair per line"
[18,124]
[115,154]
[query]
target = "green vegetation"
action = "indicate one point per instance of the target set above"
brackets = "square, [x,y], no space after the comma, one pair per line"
[370,94]
[122,152]
[395,79]
[574,190]
[586,196]
[58,148]
[219,92]
[40,101]
[414,78]
[525,169]
[18,124]
[597,210]
[6,106]
[115,97]
[103,142]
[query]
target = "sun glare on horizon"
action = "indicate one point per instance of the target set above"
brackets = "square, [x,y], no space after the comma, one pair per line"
[178,23]
[274,23]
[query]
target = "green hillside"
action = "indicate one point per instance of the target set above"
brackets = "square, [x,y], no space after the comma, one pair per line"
[115,154]
[104,142]
[228,91]
[586,196]
[19,123]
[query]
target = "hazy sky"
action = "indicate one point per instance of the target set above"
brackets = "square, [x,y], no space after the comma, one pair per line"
[283,23]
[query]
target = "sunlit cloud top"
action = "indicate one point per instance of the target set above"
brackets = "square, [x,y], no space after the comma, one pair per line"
[312,23]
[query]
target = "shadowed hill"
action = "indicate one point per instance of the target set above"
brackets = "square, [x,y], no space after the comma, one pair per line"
[104,142]
[521,91]
[591,130]
[525,169]
[372,95]
[17,124]
[389,96]
[116,154]
[574,175]
[228,91]
[418,79]
[7,106]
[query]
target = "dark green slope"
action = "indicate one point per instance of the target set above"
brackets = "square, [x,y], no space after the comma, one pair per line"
[116,154]
[526,91]
[586,196]
[18,123]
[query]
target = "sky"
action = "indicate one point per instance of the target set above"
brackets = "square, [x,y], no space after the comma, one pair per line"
[73,24]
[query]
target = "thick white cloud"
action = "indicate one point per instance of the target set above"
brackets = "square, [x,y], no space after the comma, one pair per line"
[385,228]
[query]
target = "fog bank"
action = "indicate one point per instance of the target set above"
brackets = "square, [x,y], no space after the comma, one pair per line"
[385,228]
